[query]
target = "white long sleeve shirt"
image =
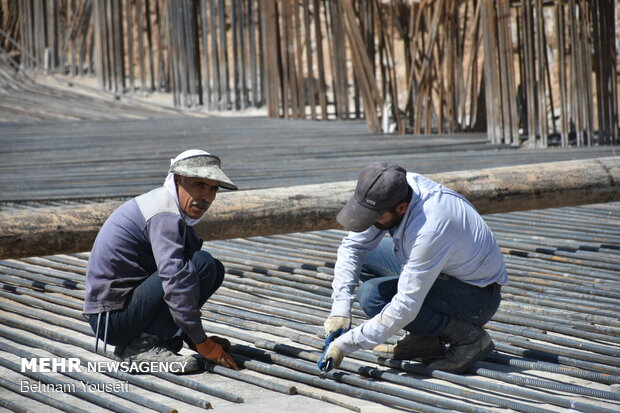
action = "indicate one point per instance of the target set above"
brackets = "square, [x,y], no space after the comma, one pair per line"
[441,232]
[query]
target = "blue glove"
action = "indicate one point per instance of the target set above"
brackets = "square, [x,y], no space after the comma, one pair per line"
[332,356]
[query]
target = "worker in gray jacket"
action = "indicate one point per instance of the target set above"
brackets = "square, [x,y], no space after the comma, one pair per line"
[438,276]
[147,276]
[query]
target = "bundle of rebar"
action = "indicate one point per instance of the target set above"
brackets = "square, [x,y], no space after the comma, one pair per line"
[527,70]
[556,332]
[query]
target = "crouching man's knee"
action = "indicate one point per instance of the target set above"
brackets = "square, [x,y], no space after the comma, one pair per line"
[369,298]
[210,270]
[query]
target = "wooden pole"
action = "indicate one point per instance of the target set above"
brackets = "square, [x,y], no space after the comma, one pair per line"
[56,230]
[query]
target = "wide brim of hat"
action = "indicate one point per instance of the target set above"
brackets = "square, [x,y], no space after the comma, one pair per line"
[356,217]
[211,172]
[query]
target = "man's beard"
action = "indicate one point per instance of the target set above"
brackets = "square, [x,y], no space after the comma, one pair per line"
[394,222]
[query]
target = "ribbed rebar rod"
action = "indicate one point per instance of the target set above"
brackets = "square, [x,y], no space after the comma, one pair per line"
[42,296]
[351,379]
[538,351]
[134,398]
[529,280]
[289,314]
[39,285]
[256,381]
[48,263]
[515,391]
[603,351]
[82,328]
[269,302]
[561,304]
[573,273]
[315,381]
[234,286]
[511,231]
[273,254]
[49,401]
[562,314]
[487,369]
[321,303]
[68,388]
[43,278]
[556,271]
[135,380]
[548,324]
[283,271]
[454,378]
[70,260]
[508,335]
[14,407]
[398,379]
[559,360]
[550,223]
[167,376]
[323,398]
[277,281]
[588,245]
[43,304]
[264,284]
[20,265]
[509,247]
[229,311]
[553,368]
[313,378]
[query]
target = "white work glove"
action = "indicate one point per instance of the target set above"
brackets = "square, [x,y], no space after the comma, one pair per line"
[333,323]
[335,354]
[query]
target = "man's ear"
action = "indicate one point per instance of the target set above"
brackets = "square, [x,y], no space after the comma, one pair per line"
[402,208]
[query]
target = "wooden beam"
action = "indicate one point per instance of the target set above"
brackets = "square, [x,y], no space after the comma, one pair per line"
[56,230]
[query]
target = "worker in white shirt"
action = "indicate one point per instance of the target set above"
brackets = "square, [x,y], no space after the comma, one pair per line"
[439,277]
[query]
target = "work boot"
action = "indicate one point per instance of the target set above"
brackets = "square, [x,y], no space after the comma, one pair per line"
[174,344]
[468,344]
[151,349]
[410,347]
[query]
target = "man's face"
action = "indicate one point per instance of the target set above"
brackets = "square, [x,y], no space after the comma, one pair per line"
[391,219]
[195,194]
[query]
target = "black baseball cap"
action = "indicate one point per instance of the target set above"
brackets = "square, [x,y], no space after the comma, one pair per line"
[380,187]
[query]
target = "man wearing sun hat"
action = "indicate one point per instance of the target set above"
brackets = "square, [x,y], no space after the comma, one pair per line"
[438,276]
[147,277]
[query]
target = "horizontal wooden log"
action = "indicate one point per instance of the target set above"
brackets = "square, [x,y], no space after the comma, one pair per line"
[55,230]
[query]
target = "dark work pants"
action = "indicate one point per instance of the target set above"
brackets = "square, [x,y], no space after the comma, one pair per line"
[146,310]
[447,298]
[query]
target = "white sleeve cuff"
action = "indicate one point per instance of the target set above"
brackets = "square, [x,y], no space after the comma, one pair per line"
[341,308]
